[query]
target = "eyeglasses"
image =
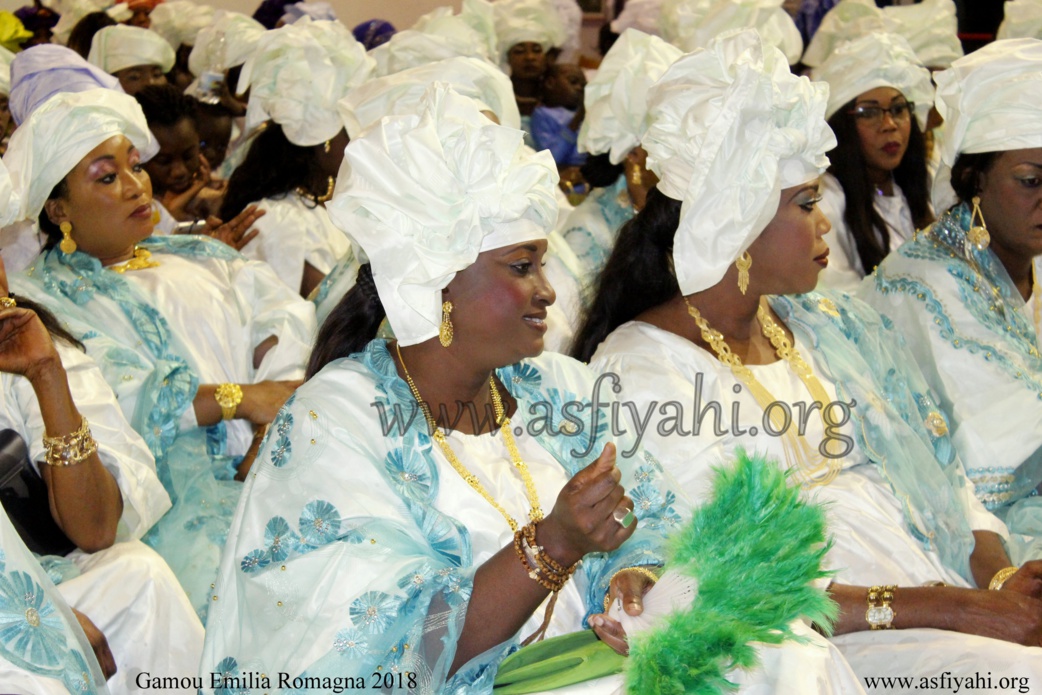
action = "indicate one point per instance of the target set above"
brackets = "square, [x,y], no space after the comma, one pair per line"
[873,115]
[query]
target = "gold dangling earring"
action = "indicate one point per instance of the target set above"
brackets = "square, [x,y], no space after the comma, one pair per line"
[978,234]
[326,146]
[155,217]
[67,244]
[744,262]
[445,330]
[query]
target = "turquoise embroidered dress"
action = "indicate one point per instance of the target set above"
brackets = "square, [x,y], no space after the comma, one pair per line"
[977,341]
[353,552]
[592,227]
[42,647]
[157,334]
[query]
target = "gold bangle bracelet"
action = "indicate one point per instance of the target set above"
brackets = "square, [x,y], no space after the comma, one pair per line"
[70,449]
[1001,577]
[640,569]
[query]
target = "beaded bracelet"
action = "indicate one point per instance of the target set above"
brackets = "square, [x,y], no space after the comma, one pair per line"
[541,567]
[70,449]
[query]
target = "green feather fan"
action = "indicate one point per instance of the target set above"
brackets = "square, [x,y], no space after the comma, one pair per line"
[754,549]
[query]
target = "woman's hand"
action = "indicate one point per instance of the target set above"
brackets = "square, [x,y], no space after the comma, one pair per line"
[1005,615]
[611,633]
[98,643]
[261,402]
[1027,580]
[238,231]
[25,345]
[587,515]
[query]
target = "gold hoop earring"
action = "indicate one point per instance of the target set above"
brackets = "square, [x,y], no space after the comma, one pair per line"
[978,234]
[445,330]
[67,244]
[326,146]
[743,264]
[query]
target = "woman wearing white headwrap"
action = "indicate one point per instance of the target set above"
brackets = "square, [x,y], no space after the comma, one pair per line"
[400,564]
[527,30]
[693,311]
[691,24]
[200,345]
[876,192]
[400,95]
[179,21]
[967,300]
[616,106]
[138,57]
[1022,19]
[103,492]
[296,76]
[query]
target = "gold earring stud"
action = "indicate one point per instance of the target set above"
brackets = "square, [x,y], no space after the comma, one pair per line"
[445,330]
[744,262]
[978,233]
[67,244]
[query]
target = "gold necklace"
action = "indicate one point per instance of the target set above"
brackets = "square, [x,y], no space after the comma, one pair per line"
[142,259]
[318,199]
[810,462]
[536,512]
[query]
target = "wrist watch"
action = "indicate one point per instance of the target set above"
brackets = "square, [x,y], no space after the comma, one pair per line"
[228,396]
[880,616]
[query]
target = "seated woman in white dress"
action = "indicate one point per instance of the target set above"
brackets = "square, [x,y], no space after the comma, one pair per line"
[295,77]
[99,489]
[370,539]
[201,346]
[615,109]
[876,191]
[966,293]
[712,352]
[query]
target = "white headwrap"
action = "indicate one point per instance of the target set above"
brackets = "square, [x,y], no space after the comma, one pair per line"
[766,16]
[522,21]
[930,28]
[5,70]
[616,98]
[572,20]
[423,195]
[180,21]
[991,101]
[475,25]
[9,203]
[61,132]
[641,15]
[729,128]
[234,34]
[401,93]
[122,46]
[679,19]
[72,11]
[297,75]
[1022,20]
[876,60]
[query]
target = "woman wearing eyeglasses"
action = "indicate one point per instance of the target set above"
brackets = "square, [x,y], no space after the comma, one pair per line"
[875,193]
[965,293]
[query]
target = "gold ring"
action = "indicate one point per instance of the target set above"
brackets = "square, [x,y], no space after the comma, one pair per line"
[8,302]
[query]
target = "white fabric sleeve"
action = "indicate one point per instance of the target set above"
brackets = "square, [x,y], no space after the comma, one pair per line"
[122,451]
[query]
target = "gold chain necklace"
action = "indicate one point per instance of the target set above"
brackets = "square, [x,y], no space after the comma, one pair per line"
[536,512]
[318,199]
[810,462]
[142,259]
